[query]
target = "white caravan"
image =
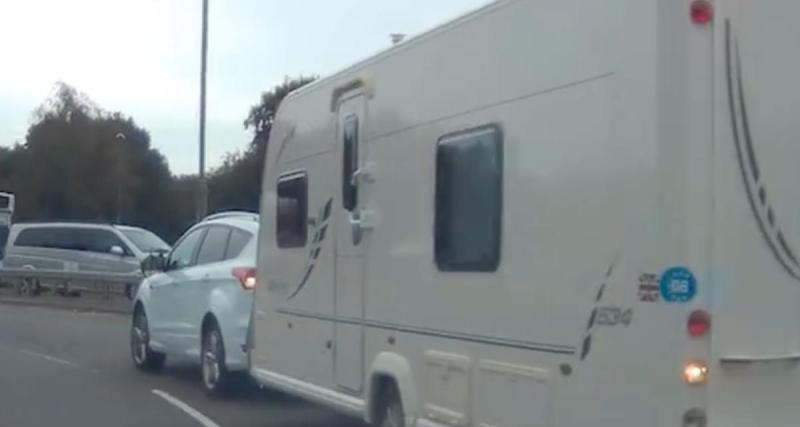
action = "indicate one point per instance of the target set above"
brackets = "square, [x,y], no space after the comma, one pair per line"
[561,213]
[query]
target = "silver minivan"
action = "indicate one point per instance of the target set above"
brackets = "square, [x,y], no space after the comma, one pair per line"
[79,247]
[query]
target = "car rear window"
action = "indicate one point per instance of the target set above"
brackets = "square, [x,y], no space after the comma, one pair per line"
[214,245]
[236,243]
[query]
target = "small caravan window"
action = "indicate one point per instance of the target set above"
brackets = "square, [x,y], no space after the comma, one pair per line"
[292,210]
[469,182]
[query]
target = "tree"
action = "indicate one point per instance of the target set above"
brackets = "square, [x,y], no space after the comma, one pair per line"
[72,166]
[236,184]
[262,115]
[7,161]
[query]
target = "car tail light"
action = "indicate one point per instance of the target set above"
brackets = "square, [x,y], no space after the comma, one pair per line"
[699,323]
[701,12]
[246,276]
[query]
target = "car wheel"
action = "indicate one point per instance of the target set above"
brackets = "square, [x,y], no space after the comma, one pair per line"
[391,410]
[143,357]
[216,378]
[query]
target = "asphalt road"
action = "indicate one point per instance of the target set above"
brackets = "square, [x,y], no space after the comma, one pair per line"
[63,368]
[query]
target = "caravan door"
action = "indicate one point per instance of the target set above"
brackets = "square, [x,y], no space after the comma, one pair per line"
[755,336]
[351,235]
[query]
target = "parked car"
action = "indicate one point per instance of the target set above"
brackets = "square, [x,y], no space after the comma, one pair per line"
[79,247]
[84,247]
[198,299]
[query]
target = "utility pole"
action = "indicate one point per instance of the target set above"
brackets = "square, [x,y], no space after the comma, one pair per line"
[202,193]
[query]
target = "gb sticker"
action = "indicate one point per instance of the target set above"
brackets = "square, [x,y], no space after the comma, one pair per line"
[678,285]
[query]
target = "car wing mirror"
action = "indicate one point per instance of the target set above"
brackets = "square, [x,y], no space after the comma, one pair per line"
[154,263]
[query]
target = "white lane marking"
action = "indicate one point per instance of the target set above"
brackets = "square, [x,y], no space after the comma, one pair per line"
[200,418]
[56,360]
[48,357]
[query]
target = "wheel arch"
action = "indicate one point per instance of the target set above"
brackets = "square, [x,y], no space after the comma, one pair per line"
[388,368]
[209,319]
[138,306]
[141,298]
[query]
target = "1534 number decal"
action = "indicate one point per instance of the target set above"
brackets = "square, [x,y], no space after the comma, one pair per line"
[614,316]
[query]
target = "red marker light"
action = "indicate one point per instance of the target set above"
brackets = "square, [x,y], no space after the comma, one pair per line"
[699,323]
[702,12]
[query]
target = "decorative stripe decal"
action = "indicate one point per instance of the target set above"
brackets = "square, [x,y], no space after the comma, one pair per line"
[481,339]
[748,163]
[786,248]
[316,245]
[586,344]
[309,269]
[600,292]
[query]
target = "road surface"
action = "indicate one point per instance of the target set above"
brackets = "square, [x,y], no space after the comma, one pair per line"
[63,368]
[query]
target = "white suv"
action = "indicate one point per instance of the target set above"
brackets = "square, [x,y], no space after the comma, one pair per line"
[197,300]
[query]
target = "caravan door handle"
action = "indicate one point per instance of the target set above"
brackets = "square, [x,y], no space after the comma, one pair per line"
[364,173]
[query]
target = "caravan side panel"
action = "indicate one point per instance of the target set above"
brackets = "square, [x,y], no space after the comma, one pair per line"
[599,114]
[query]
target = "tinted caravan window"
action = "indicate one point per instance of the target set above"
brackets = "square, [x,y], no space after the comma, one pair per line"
[469,182]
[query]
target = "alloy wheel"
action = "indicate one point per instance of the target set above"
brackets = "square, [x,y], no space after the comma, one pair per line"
[211,361]
[139,340]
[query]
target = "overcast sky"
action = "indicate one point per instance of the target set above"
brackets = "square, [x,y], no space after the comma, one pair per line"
[142,57]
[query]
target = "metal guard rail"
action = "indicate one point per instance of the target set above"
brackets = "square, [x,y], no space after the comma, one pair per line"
[89,276]
[86,289]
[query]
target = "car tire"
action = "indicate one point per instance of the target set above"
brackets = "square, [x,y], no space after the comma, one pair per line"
[391,412]
[143,356]
[217,380]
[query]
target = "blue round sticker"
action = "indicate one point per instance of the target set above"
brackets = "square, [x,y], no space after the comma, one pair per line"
[678,285]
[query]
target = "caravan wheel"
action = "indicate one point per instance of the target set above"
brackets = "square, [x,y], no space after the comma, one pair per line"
[391,414]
